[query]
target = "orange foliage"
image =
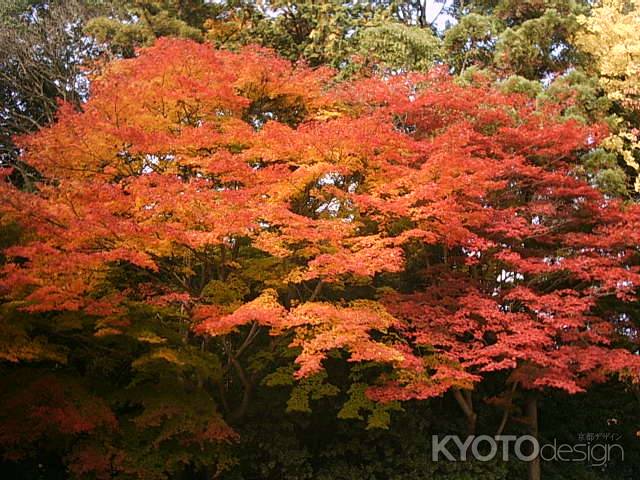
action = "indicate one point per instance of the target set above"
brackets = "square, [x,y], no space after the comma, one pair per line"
[186,157]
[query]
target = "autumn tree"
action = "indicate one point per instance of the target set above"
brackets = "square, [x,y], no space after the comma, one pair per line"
[207,209]
[524,44]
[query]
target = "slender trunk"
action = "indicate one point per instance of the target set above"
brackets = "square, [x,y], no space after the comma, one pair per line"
[422,14]
[239,413]
[465,402]
[507,409]
[532,416]
[316,291]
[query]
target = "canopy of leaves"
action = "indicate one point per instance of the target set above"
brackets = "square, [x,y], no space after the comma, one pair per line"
[223,245]
[433,232]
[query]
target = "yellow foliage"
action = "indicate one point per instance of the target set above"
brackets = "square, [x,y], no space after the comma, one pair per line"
[150,337]
[612,37]
[627,144]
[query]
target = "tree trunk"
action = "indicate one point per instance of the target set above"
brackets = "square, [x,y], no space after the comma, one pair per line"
[465,400]
[532,416]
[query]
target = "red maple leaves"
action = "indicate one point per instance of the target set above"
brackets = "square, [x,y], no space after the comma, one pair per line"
[446,220]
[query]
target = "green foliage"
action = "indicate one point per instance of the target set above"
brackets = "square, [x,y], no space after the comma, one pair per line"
[282,376]
[537,46]
[231,290]
[311,388]
[521,85]
[319,32]
[604,171]
[399,46]
[120,36]
[519,11]
[377,414]
[471,41]
[138,22]
[20,341]
[586,102]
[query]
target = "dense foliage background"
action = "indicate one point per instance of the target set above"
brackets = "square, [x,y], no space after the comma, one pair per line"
[241,240]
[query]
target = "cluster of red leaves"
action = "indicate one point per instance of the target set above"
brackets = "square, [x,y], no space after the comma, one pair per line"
[51,408]
[185,149]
